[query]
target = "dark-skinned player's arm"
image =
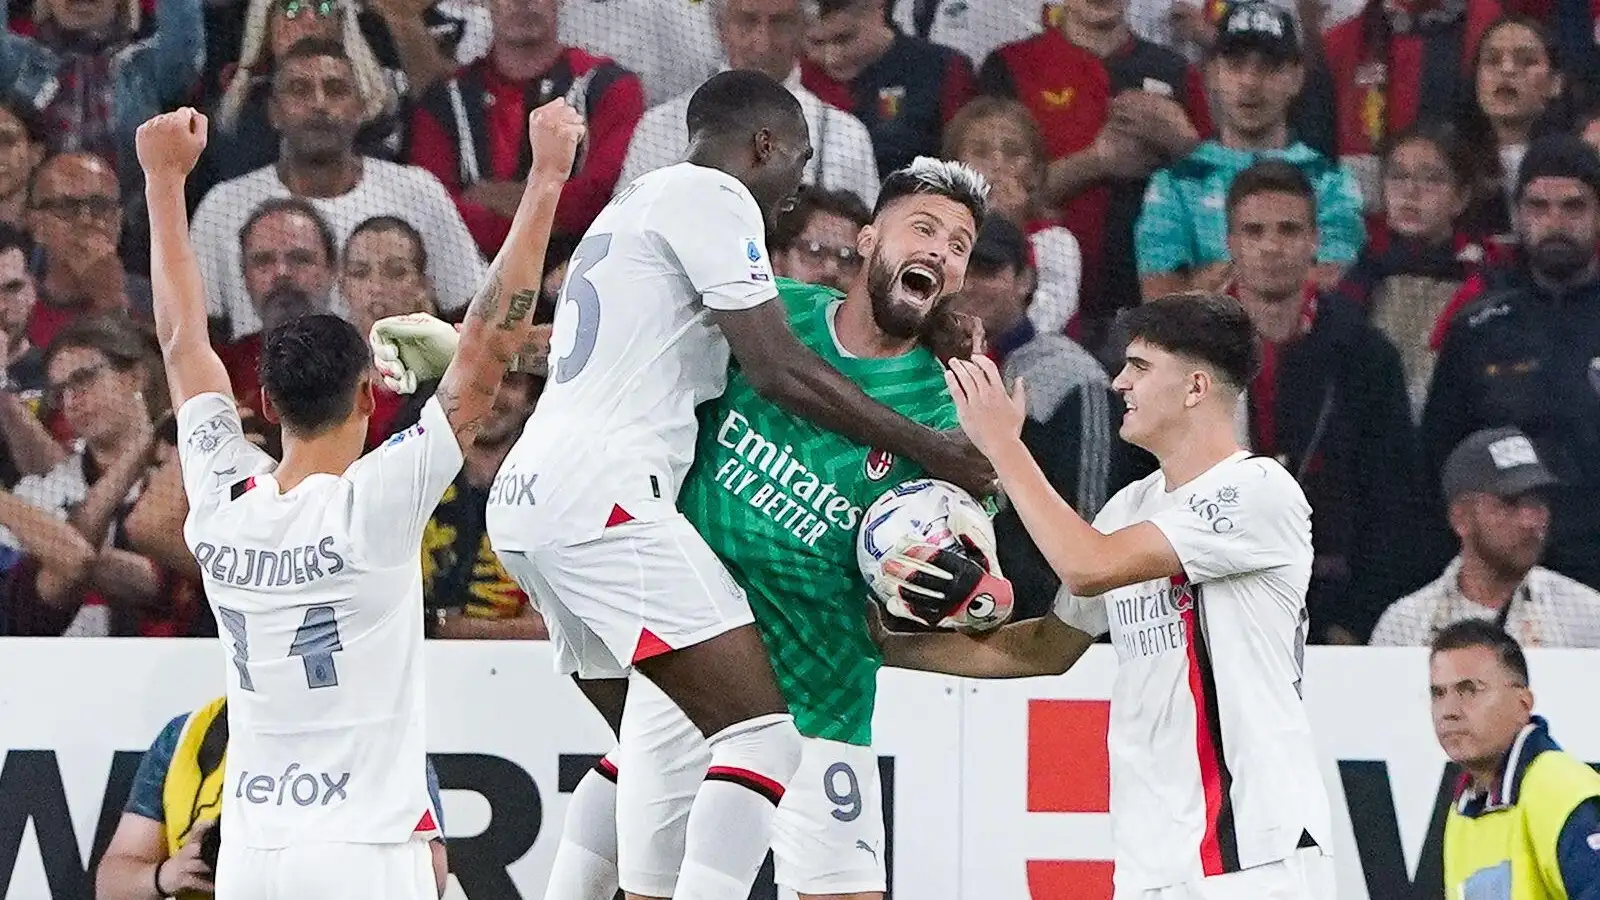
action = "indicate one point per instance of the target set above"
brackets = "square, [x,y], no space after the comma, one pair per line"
[168,146]
[1088,562]
[1042,646]
[499,321]
[789,374]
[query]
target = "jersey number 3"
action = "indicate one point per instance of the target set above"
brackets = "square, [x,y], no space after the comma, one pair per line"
[581,293]
[315,642]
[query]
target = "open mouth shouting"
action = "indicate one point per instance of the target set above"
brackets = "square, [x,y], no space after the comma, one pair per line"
[920,283]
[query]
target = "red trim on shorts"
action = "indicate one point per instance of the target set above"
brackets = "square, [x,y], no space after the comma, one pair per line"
[619,516]
[1219,845]
[607,769]
[649,645]
[745,778]
[426,823]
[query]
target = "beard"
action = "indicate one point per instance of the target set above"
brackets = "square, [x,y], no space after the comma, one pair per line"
[1559,258]
[893,317]
[285,303]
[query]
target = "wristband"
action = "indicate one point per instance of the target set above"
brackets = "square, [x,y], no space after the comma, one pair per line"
[156,877]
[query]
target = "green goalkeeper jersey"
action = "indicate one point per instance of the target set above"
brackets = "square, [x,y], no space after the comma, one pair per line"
[780,501]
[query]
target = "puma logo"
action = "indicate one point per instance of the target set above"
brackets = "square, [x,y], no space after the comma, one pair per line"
[863,845]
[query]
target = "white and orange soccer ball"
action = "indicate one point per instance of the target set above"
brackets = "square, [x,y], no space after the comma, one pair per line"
[926,511]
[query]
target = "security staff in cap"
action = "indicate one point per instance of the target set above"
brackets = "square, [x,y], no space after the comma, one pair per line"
[1525,824]
[1497,488]
[1527,353]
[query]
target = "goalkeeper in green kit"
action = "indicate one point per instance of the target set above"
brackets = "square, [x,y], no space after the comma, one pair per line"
[780,501]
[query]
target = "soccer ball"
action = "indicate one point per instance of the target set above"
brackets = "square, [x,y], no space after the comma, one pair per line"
[921,511]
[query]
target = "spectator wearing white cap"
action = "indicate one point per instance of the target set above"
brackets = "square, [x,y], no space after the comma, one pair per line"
[1494,483]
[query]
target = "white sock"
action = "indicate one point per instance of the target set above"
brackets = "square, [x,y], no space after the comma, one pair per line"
[585,866]
[730,826]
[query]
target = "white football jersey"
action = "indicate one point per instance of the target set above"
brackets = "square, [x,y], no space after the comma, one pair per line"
[1213,766]
[633,352]
[318,598]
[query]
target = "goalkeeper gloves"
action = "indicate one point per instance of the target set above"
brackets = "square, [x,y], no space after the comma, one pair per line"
[948,588]
[411,349]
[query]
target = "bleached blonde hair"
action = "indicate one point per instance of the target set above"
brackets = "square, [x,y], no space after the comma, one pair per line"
[377,95]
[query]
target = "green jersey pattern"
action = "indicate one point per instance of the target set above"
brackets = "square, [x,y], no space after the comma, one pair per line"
[780,501]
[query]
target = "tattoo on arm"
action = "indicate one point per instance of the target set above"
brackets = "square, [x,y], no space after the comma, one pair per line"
[488,299]
[518,307]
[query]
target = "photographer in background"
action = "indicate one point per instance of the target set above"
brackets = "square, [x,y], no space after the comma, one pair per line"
[167,840]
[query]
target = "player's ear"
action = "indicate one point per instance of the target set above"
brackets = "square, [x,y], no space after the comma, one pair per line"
[762,144]
[866,240]
[365,403]
[1199,386]
[267,410]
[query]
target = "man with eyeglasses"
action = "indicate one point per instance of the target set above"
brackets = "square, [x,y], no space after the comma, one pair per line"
[1526,822]
[75,214]
[816,241]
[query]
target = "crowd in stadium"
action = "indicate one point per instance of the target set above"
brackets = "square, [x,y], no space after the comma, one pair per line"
[1404,195]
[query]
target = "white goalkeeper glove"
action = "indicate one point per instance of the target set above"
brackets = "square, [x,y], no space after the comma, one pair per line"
[412,349]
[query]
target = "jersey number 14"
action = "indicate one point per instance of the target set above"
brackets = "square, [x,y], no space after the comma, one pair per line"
[315,642]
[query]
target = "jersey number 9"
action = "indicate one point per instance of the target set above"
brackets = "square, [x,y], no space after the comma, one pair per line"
[315,642]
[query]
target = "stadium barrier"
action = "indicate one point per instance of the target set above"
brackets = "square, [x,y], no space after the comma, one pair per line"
[994,790]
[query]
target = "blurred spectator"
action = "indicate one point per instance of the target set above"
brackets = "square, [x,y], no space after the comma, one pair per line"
[974,29]
[998,137]
[465,590]
[317,108]
[243,136]
[672,45]
[1329,404]
[1072,414]
[22,147]
[471,131]
[1495,486]
[1395,62]
[288,255]
[765,35]
[1587,127]
[1523,353]
[1113,108]
[1419,258]
[816,242]
[1191,25]
[383,272]
[903,88]
[131,578]
[1255,70]
[1516,97]
[165,840]
[26,447]
[94,82]
[76,216]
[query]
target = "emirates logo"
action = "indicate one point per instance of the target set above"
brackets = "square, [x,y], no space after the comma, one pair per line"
[879,462]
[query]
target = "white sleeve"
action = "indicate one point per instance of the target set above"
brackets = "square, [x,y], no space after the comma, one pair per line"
[1252,518]
[398,485]
[1087,614]
[212,449]
[455,268]
[719,238]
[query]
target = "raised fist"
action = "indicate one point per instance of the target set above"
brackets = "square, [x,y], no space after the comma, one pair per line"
[555,132]
[170,143]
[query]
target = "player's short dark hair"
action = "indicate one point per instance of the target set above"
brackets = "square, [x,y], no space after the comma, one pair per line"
[388,225]
[1209,328]
[1468,633]
[299,207]
[937,178]
[14,238]
[1270,176]
[310,366]
[811,201]
[739,102]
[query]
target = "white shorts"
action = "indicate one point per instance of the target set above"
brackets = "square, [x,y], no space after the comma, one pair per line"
[1307,875]
[828,835]
[638,590]
[346,871]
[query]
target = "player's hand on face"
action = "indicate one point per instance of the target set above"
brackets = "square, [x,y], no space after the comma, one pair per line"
[170,143]
[555,131]
[989,414]
[185,871]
